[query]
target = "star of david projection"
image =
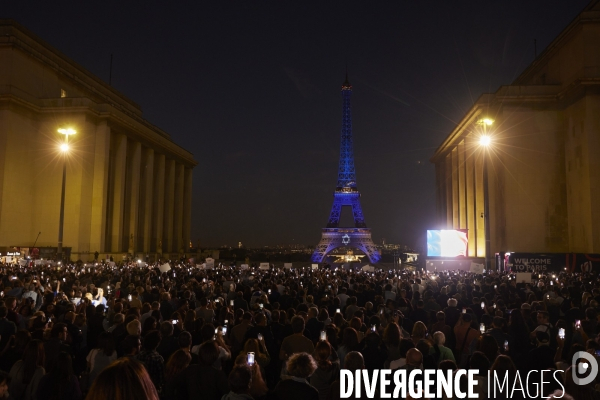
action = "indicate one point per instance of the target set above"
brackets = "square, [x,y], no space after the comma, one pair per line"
[346,239]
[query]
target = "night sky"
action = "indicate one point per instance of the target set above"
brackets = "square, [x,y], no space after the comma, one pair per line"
[252,89]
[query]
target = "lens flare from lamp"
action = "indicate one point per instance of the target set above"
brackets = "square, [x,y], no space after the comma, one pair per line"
[485,141]
[64,147]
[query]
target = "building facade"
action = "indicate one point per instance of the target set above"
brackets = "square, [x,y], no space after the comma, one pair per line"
[128,185]
[543,158]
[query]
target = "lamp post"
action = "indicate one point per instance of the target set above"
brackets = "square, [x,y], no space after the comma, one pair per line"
[65,149]
[484,142]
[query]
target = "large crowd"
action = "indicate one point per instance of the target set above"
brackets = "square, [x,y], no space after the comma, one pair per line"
[99,331]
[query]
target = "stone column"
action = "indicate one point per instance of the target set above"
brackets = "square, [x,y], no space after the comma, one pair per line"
[146,201]
[455,191]
[133,194]
[169,206]
[448,184]
[118,190]
[479,204]
[178,207]
[472,216]
[100,188]
[187,208]
[462,187]
[158,209]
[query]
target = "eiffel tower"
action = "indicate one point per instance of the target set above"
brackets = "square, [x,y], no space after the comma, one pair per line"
[346,194]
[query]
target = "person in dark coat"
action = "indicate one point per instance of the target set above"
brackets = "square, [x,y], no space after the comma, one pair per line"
[203,378]
[299,367]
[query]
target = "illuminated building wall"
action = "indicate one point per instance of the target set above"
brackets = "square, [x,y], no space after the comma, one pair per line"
[128,185]
[543,160]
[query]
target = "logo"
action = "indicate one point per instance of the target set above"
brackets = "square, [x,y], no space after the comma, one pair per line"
[346,239]
[588,366]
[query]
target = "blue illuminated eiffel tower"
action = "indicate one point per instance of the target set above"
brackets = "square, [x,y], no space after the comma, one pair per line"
[346,194]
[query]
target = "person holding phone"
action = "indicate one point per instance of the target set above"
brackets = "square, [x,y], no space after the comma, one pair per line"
[258,349]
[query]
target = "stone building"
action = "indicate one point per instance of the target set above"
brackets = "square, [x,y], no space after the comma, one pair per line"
[543,159]
[128,185]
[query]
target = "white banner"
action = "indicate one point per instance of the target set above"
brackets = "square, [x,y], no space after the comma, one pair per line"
[368,268]
[523,277]
[38,262]
[477,268]
[165,267]
[244,266]
[315,266]
[263,266]
[287,265]
[210,263]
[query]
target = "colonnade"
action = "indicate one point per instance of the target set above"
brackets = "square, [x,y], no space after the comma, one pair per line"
[148,199]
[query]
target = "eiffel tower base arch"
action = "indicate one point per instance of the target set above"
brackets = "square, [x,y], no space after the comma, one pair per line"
[358,238]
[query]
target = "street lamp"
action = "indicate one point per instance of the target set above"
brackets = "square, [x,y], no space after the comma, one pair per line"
[64,147]
[485,142]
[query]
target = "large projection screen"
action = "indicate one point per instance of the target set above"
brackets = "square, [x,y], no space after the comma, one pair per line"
[447,243]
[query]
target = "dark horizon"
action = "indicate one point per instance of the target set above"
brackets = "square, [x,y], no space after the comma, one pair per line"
[253,91]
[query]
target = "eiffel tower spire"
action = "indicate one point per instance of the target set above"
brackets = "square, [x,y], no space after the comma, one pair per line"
[346,170]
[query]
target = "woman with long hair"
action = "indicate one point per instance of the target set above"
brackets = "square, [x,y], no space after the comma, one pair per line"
[26,374]
[261,356]
[518,336]
[125,379]
[504,366]
[258,387]
[190,318]
[391,338]
[340,322]
[331,331]
[177,363]
[102,356]
[488,346]
[60,382]
[419,332]
[326,371]
[356,324]
[349,343]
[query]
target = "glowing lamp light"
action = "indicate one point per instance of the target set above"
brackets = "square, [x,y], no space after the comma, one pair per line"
[487,121]
[64,147]
[485,141]
[67,131]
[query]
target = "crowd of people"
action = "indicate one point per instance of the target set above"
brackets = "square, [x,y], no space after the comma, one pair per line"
[99,331]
